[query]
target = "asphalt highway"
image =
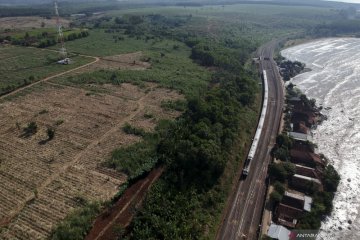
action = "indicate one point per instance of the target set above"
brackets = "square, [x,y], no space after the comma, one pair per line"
[242,217]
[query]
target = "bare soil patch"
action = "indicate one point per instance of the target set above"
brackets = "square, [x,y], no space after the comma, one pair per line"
[40,183]
[30,22]
[130,61]
[123,210]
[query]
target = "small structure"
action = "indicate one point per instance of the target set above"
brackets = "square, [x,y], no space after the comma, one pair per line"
[300,136]
[287,215]
[65,61]
[278,232]
[307,203]
[301,127]
[306,171]
[306,158]
[301,182]
[291,208]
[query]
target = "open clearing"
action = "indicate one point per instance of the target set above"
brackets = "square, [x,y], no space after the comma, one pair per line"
[130,61]
[29,22]
[42,183]
[20,66]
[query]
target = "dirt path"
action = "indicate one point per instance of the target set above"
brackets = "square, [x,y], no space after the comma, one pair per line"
[96,59]
[122,212]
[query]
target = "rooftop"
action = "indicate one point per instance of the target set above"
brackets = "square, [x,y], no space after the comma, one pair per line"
[308,202]
[305,171]
[307,178]
[278,232]
[300,136]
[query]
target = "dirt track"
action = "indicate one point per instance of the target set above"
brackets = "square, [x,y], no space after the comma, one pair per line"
[122,212]
[51,77]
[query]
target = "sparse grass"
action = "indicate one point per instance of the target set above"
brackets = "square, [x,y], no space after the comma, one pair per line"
[21,66]
[99,43]
[173,70]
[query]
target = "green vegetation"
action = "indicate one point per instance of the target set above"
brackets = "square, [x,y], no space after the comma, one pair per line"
[177,105]
[135,160]
[322,206]
[50,133]
[331,179]
[289,69]
[282,148]
[202,149]
[30,129]
[78,223]
[174,71]
[281,171]
[40,38]
[21,66]
[322,200]
[127,128]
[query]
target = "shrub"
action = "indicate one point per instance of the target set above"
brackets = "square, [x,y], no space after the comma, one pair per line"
[76,225]
[51,133]
[127,128]
[331,179]
[279,187]
[275,197]
[30,129]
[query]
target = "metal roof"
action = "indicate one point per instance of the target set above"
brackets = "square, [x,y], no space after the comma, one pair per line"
[300,136]
[307,178]
[307,204]
[278,232]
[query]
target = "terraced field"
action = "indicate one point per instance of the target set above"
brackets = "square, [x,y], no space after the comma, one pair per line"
[42,181]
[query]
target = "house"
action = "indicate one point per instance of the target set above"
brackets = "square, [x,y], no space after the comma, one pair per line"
[291,208]
[287,215]
[300,136]
[278,232]
[300,127]
[307,171]
[304,183]
[309,118]
[307,158]
[302,146]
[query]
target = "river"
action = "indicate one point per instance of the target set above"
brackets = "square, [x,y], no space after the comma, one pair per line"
[335,84]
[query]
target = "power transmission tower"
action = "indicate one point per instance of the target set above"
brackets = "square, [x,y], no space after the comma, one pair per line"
[63,52]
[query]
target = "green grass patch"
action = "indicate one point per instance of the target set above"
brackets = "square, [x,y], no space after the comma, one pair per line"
[20,66]
[127,128]
[172,69]
[136,159]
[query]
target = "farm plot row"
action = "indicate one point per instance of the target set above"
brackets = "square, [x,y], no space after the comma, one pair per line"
[41,183]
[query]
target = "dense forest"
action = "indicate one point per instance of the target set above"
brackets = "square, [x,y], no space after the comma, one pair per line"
[197,146]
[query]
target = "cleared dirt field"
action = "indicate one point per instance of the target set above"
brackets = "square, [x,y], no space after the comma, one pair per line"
[29,22]
[40,183]
[118,62]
